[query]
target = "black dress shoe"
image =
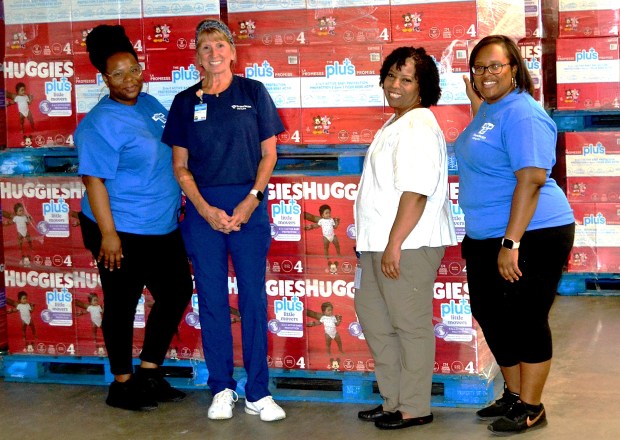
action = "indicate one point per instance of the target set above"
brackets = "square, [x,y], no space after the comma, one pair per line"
[372,415]
[397,421]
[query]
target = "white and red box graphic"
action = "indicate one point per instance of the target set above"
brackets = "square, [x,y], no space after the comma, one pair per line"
[168,73]
[20,12]
[89,85]
[333,126]
[452,119]
[287,197]
[588,18]
[533,55]
[278,70]
[505,17]
[588,73]
[460,345]
[338,22]
[583,259]
[268,23]
[594,259]
[534,19]
[592,154]
[171,25]
[84,10]
[341,77]
[88,308]
[40,102]
[39,40]
[41,313]
[286,303]
[342,102]
[451,58]
[298,244]
[593,189]
[133,29]
[40,224]
[598,225]
[421,21]
[329,226]
[335,338]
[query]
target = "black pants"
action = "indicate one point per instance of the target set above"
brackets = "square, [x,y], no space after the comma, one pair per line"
[158,262]
[514,317]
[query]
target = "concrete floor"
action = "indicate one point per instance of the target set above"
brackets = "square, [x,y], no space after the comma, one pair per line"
[582,400]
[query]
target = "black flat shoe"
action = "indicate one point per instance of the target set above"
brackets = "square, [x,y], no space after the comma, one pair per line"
[397,421]
[372,415]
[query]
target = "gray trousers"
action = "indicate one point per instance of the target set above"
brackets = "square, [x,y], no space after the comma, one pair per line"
[397,320]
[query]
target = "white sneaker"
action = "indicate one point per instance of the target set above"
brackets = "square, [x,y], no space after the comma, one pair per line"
[268,410]
[222,405]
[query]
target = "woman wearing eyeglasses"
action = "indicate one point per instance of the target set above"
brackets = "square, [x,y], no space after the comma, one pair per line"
[129,221]
[519,228]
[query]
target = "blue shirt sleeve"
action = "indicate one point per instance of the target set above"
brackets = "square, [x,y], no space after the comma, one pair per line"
[98,157]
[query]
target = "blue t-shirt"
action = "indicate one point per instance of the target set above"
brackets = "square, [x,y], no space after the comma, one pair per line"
[224,148]
[504,137]
[121,144]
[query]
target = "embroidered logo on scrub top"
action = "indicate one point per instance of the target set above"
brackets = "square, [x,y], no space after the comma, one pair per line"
[241,107]
[159,117]
[485,127]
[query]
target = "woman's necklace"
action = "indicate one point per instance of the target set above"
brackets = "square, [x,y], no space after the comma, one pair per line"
[219,88]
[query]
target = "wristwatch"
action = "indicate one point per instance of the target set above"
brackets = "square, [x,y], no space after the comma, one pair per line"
[510,244]
[258,194]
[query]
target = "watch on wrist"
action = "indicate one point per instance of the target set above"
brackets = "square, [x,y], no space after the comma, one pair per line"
[510,244]
[258,194]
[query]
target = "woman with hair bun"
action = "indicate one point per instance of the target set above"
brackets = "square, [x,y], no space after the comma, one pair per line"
[129,221]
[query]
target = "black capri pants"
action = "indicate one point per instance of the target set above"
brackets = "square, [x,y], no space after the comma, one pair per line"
[514,317]
[158,262]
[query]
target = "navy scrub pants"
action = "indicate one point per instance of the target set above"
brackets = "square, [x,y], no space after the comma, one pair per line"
[209,251]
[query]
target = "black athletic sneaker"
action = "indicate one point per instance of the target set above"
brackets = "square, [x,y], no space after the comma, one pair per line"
[519,419]
[129,395]
[500,407]
[156,387]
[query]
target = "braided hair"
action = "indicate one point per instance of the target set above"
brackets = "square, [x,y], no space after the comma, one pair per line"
[107,40]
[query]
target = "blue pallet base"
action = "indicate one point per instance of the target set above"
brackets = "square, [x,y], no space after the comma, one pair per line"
[285,385]
[590,284]
[586,120]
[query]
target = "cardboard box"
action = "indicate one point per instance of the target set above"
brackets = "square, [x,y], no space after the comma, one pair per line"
[338,22]
[268,23]
[342,102]
[452,119]
[278,70]
[168,73]
[598,225]
[38,40]
[47,326]
[593,189]
[592,154]
[460,345]
[421,21]
[588,18]
[49,207]
[40,102]
[588,73]
[171,25]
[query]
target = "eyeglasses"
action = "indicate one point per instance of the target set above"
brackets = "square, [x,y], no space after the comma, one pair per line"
[118,75]
[494,69]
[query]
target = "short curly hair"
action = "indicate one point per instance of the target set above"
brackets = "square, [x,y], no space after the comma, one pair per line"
[426,72]
[107,40]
